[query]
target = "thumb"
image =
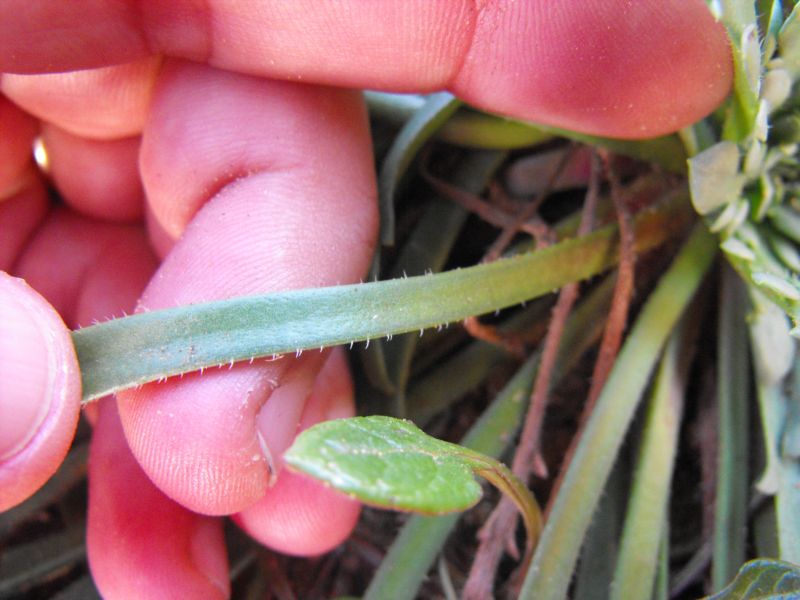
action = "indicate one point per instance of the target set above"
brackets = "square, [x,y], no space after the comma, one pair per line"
[39,391]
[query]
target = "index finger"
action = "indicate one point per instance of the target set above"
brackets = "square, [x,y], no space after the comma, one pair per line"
[608,67]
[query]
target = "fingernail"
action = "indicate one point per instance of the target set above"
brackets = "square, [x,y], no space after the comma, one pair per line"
[26,372]
[271,467]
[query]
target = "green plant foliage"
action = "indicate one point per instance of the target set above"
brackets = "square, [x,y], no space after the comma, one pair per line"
[763,580]
[421,538]
[145,347]
[550,574]
[714,178]
[733,400]
[789,42]
[746,184]
[646,516]
[477,129]
[391,463]
[419,128]
[387,462]
[614,506]
[740,20]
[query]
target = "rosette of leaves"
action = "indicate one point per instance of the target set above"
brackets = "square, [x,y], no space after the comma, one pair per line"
[746,184]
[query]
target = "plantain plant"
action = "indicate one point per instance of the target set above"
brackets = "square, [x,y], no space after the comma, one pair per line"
[669,486]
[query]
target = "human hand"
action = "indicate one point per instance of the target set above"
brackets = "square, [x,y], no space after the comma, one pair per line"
[268,185]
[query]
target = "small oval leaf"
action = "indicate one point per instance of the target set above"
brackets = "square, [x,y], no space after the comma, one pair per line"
[387,462]
[763,579]
[714,178]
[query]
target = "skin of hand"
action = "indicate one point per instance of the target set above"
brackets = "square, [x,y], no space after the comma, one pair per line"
[205,150]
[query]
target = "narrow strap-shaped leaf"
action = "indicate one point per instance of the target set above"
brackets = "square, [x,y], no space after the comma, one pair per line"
[551,571]
[599,551]
[144,347]
[477,129]
[733,385]
[421,538]
[787,501]
[740,19]
[419,128]
[646,518]
[396,108]
[467,369]
[427,249]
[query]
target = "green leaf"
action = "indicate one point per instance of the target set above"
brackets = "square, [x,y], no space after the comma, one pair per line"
[391,463]
[714,179]
[388,463]
[550,574]
[420,540]
[733,388]
[763,579]
[740,19]
[145,347]
[395,108]
[427,250]
[773,347]
[753,258]
[789,42]
[469,127]
[787,500]
[477,129]
[735,14]
[667,151]
[419,128]
[770,20]
[647,515]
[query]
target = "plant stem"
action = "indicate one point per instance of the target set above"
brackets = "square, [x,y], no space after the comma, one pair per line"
[512,487]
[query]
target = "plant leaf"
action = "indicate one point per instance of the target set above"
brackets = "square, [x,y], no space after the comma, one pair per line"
[646,519]
[770,17]
[789,42]
[752,257]
[763,579]
[420,540]
[145,347]
[391,463]
[387,462]
[417,130]
[787,500]
[551,572]
[714,178]
[477,129]
[733,404]
[427,249]
[666,151]
[740,19]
